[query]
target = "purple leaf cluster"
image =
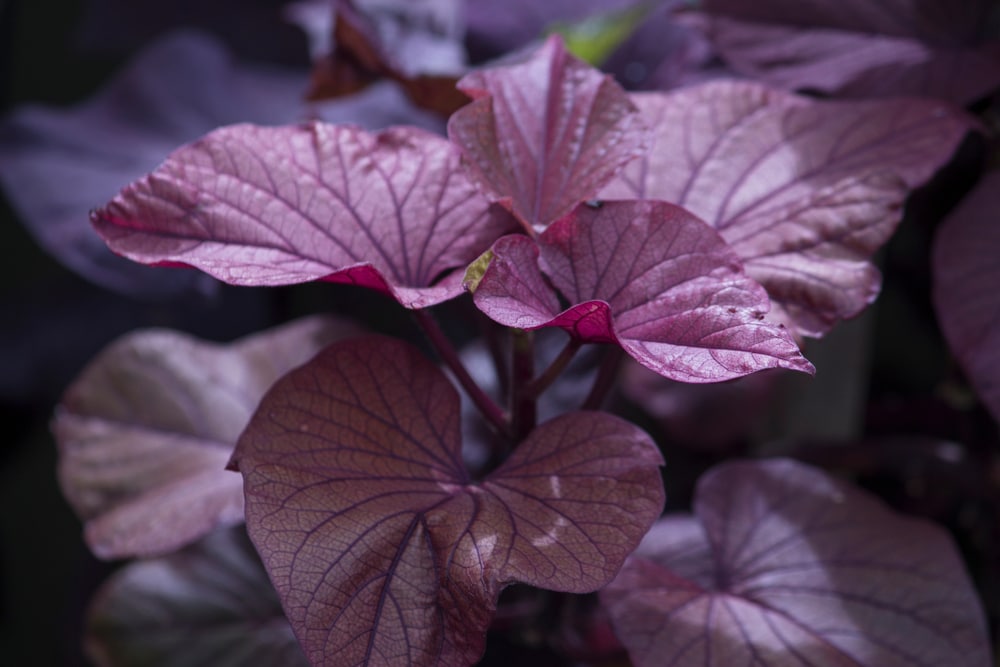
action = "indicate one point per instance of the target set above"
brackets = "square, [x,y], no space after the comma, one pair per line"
[702,233]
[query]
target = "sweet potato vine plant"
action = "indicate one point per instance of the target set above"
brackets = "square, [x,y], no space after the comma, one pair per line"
[702,234]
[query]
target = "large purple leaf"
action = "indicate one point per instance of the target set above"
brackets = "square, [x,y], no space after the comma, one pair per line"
[146,431]
[209,605]
[382,548]
[966,276]
[275,206]
[648,276]
[803,190]
[786,566]
[545,133]
[55,165]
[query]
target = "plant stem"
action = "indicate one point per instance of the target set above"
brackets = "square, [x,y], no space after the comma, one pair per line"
[544,380]
[486,405]
[605,380]
[522,403]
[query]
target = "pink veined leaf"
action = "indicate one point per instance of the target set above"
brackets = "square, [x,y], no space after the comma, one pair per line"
[383,550]
[966,276]
[783,565]
[803,190]
[275,206]
[647,276]
[146,430]
[545,133]
[208,604]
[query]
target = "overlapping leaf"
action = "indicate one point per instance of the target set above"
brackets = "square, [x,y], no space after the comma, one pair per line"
[545,133]
[786,566]
[382,548]
[275,206]
[804,191]
[146,431]
[864,49]
[209,605]
[648,276]
[966,275]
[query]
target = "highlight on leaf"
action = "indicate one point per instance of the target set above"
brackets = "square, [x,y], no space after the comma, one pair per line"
[382,548]
[805,191]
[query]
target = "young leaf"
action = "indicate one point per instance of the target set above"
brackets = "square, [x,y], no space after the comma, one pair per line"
[803,190]
[146,430]
[276,206]
[209,605]
[784,565]
[966,275]
[545,133]
[645,275]
[383,550]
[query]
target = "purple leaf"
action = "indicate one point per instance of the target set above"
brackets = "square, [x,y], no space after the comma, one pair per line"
[966,275]
[545,133]
[146,430]
[383,550]
[786,566]
[209,605]
[855,64]
[55,165]
[804,191]
[276,206]
[648,276]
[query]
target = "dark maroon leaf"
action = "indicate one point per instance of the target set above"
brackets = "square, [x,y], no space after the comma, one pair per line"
[418,43]
[57,165]
[545,133]
[276,206]
[209,605]
[856,64]
[146,430]
[383,550]
[803,190]
[648,276]
[966,276]
[786,566]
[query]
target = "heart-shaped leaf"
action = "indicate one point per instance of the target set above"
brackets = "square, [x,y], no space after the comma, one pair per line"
[966,275]
[146,430]
[275,206]
[545,133]
[383,550]
[209,605]
[786,566]
[804,191]
[648,276]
